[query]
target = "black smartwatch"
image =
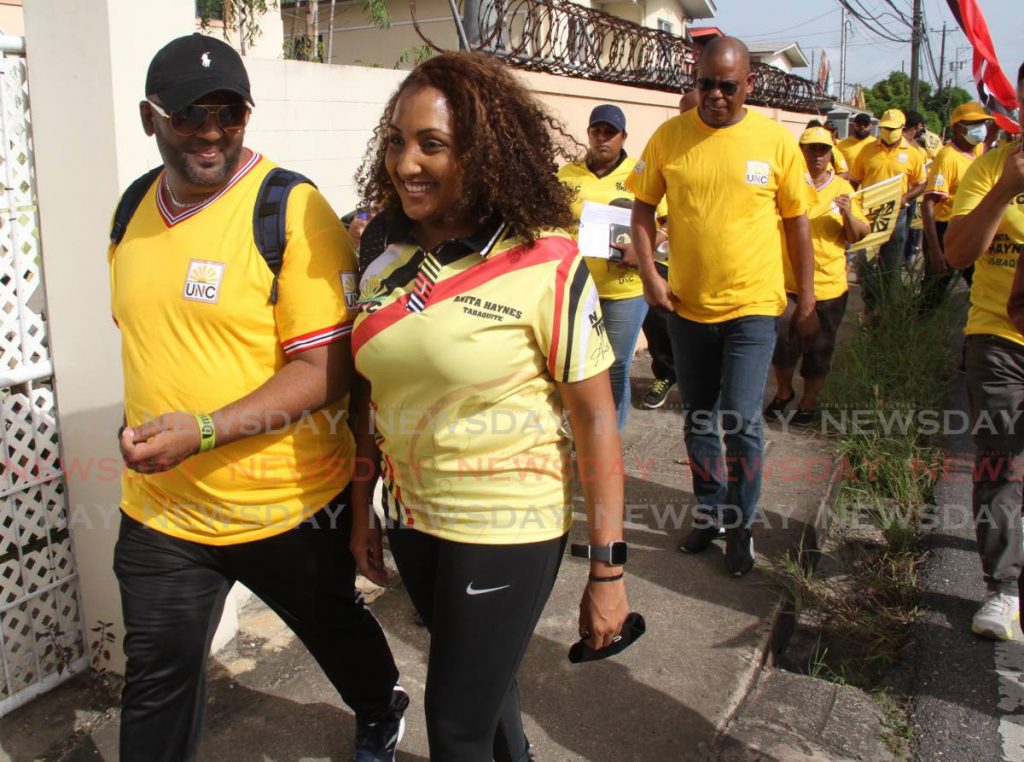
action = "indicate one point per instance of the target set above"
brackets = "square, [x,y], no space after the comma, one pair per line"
[614,553]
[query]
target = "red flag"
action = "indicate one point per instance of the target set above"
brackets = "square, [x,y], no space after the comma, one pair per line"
[994,89]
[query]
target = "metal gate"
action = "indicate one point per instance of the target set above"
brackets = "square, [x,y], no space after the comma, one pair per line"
[41,635]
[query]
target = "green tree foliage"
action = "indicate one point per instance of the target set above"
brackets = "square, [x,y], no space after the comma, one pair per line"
[935,107]
[240,14]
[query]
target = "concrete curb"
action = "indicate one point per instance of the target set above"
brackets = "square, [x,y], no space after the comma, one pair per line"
[782,622]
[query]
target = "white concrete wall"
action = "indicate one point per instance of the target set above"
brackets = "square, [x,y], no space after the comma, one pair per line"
[90,57]
[316,119]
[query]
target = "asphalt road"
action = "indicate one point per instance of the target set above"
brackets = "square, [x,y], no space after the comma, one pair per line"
[969,692]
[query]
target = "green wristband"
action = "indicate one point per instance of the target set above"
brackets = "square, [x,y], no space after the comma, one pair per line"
[207,432]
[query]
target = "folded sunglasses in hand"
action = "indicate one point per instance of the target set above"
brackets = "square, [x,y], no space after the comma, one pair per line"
[632,629]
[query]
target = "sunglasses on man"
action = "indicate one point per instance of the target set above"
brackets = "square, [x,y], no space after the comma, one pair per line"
[726,86]
[232,117]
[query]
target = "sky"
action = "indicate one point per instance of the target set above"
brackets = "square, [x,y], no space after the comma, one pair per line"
[815,25]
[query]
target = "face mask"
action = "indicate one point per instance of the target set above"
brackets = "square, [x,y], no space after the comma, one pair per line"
[890,136]
[975,134]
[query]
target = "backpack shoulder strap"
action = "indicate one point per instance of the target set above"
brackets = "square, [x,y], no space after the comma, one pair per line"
[268,222]
[129,202]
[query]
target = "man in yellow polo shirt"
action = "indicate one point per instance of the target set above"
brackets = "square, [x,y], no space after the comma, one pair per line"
[236,441]
[860,136]
[889,156]
[600,177]
[736,186]
[969,122]
[987,230]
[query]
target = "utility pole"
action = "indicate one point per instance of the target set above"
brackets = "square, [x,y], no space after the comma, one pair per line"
[842,57]
[942,73]
[330,37]
[915,56]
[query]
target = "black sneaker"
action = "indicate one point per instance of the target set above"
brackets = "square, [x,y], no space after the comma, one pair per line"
[700,538]
[657,394]
[739,551]
[776,409]
[377,741]
[802,417]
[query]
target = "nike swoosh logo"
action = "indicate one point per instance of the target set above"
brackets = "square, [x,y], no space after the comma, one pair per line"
[470,590]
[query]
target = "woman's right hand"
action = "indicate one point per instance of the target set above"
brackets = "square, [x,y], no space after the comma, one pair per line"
[603,611]
[367,546]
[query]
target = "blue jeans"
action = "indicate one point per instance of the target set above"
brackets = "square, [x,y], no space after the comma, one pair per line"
[622,321]
[722,369]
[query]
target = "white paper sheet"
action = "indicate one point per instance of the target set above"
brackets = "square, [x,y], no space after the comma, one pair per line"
[601,224]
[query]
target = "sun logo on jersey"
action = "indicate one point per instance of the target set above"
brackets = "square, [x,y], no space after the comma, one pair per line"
[202,283]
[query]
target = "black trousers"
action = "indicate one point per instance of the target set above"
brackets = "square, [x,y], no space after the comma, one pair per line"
[658,344]
[481,604]
[934,288]
[995,390]
[172,596]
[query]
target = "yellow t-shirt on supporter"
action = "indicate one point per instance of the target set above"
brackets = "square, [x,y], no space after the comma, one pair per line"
[877,162]
[828,239]
[839,161]
[994,270]
[613,280]
[728,190]
[466,408]
[944,178]
[189,292]
[851,147]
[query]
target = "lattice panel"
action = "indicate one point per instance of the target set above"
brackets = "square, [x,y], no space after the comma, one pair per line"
[30,437]
[41,631]
[19,647]
[22,326]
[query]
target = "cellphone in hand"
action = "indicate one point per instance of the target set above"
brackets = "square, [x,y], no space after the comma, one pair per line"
[619,234]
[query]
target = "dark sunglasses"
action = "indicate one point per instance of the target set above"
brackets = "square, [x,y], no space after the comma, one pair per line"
[231,117]
[726,86]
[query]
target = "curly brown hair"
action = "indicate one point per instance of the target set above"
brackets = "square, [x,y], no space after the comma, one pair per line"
[506,146]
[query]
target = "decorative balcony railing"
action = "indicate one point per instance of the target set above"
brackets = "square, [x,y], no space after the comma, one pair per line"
[561,37]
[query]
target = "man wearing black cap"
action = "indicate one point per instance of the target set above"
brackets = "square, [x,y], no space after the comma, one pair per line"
[860,136]
[237,450]
[601,178]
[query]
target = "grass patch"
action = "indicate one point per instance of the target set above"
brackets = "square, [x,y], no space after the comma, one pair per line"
[885,399]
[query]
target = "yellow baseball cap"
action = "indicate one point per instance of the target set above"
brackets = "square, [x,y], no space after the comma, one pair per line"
[971,111]
[816,135]
[892,118]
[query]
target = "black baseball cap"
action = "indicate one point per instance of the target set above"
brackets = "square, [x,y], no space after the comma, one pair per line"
[609,114]
[188,68]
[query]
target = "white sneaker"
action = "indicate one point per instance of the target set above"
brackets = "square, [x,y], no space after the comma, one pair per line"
[996,616]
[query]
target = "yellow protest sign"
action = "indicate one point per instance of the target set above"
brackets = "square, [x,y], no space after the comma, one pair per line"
[881,203]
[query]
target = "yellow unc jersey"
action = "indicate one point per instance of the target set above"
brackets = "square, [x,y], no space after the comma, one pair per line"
[190,294]
[994,270]
[463,349]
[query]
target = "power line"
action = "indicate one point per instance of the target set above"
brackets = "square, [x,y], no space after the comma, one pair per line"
[869,21]
[791,28]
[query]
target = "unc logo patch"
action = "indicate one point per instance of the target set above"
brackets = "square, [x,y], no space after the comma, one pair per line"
[757,173]
[350,287]
[202,284]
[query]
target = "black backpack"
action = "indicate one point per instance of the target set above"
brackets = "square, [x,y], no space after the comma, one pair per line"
[268,217]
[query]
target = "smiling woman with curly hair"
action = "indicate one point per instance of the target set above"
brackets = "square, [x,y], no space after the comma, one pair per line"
[506,146]
[479,323]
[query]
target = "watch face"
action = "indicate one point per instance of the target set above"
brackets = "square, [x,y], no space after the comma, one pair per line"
[619,552]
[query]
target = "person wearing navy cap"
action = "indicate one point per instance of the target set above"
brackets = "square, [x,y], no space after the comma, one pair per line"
[601,178]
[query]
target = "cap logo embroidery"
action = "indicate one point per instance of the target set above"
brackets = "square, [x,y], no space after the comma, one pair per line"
[205,60]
